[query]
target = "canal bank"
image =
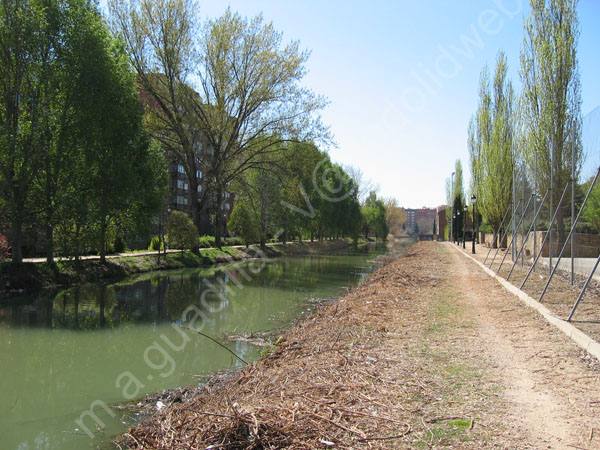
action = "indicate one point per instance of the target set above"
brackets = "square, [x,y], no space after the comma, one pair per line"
[427,352]
[31,277]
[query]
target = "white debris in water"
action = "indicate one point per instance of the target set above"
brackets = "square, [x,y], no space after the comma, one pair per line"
[160,405]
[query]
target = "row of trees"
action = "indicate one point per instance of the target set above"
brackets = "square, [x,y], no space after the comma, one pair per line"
[74,158]
[82,158]
[267,200]
[537,133]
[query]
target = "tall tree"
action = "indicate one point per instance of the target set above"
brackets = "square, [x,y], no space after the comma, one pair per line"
[26,62]
[233,83]
[491,144]
[551,97]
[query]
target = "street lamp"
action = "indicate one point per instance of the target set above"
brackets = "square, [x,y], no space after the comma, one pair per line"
[473,202]
[465,223]
[458,230]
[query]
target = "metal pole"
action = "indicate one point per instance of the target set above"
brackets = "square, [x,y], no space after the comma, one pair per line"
[572,211]
[451,205]
[528,233]
[551,206]
[473,236]
[496,234]
[523,222]
[584,289]
[535,206]
[502,239]
[512,243]
[545,237]
[570,233]
[514,195]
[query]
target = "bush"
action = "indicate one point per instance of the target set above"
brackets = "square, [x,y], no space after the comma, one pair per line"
[155,244]
[206,241]
[234,240]
[182,231]
[120,246]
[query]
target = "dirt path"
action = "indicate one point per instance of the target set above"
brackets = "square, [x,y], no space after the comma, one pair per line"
[544,379]
[428,352]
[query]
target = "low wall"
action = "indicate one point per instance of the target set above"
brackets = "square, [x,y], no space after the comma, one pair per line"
[586,245]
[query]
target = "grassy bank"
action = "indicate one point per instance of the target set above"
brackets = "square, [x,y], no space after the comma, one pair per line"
[28,277]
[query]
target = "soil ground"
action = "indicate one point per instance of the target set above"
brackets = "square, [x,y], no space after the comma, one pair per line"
[428,352]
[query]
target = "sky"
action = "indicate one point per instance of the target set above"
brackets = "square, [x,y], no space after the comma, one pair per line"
[402,76]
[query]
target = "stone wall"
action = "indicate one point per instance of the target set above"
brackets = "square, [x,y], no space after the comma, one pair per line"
[586,245]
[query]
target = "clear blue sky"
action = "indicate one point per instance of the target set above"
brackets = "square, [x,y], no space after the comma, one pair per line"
[402,76]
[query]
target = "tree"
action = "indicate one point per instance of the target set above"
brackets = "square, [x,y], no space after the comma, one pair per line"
[591,213]
[395,215]
[491,147]
[374,215]
[551,98]
[182,232]
[232,87]
[243,221]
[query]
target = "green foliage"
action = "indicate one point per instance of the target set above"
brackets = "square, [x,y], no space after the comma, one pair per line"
[155,244]
[74,159]
[591,213]
[243,222]
[551,98]
[206,241]
[182,231]
[374,217]
[491,144]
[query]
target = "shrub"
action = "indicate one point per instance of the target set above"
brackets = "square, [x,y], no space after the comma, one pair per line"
[182,231]
[120,246]
[206,241]
[155,244]
[234,240]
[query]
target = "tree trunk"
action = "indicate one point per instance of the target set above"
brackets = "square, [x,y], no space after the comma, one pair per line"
[49,244]
[103,240]
[17,241]
[218,218]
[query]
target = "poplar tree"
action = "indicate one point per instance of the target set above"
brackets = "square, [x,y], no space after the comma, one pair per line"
[491,149]
[551,98]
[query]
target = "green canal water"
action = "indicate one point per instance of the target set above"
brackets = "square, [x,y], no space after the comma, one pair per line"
[73,351]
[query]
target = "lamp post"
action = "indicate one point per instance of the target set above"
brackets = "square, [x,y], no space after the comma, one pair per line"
[452,205]
[451,230]
[473,202]
[465,223]
[458,230]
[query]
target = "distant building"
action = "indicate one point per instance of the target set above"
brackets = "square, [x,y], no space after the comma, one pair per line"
[421,221]
[440,223]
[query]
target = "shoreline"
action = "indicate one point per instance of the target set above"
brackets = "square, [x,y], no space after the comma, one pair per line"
[29,278]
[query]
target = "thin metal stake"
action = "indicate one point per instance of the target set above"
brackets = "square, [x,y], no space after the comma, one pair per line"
[570,233]
[584,289]
[496,233]
[545,237]
[528,232]
[504,235]
[512,242]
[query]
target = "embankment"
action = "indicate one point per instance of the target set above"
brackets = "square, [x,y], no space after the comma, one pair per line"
[30,277]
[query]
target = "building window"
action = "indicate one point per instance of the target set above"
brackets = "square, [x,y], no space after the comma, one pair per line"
[198,174]
[199,188]
[180,168]
[181,200]
[182,185]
